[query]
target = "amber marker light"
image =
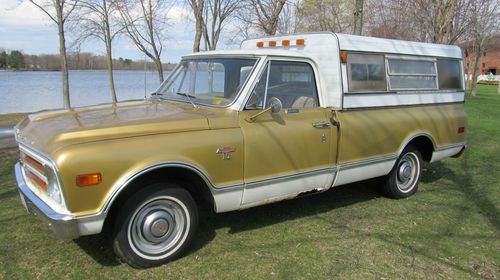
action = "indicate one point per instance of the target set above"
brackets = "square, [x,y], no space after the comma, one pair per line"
[272,43]
[343,56]
[300,42]
[85,180]
[260,44]
[285,43]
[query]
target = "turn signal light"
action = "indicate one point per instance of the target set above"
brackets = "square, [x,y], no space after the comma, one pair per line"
[272,43]
[85,180]
[343,56]
[300,42]
[285,42]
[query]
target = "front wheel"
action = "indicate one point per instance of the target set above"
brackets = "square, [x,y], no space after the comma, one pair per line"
[155,225]
[404,177]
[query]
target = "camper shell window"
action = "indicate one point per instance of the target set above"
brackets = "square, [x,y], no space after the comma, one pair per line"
[366,72]
[449,74]
[411,73]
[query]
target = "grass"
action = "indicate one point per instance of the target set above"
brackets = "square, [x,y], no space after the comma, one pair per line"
[449,229]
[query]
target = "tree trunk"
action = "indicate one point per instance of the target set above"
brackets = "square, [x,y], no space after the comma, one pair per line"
[358,18]
[476,70]
[198,10]
[62,54]
[159,67]
[109,55]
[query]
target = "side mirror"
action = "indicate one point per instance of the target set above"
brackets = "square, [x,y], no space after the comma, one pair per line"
[275,105]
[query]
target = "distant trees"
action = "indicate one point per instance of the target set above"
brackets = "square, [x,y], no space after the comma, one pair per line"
[13,60]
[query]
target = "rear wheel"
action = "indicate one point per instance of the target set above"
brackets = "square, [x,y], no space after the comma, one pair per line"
[404,177]
[155,225]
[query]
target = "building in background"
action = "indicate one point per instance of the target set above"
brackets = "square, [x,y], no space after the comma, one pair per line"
[489,61]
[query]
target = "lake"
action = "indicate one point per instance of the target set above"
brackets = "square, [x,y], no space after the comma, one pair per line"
[34,91]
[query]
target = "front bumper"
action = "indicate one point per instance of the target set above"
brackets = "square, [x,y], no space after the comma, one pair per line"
[64,225]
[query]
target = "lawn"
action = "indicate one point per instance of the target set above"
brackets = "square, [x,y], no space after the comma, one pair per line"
[449,229]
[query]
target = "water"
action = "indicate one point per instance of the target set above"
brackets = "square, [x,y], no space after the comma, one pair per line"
[34,91]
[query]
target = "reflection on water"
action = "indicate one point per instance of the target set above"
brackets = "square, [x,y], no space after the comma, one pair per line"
[34,91]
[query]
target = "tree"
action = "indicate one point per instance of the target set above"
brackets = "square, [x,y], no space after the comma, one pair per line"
[98,20]
[145,23]
[262,15]
[15,60]
[217,12]
[325,15]
[198,6]
[3,59]
[59,11]
[358,17]
[485,15]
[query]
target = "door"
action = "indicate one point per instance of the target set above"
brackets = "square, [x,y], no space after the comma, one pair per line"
[290,151]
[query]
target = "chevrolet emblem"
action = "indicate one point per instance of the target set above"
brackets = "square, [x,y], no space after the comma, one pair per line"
[225,152]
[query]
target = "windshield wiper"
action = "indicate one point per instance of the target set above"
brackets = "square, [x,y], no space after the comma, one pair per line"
[189,96]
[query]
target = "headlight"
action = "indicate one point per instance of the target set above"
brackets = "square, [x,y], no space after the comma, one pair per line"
[53,190]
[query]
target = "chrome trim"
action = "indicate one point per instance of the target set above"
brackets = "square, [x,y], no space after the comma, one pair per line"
[277,179]
[46,160]
[36,172]
[425,134]
[450,146]
[365,162]
[64,225]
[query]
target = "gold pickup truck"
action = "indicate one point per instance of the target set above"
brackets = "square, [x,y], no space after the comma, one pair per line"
[277,118]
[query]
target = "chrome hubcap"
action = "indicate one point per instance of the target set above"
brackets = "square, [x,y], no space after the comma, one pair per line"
[158,227]
[408,172]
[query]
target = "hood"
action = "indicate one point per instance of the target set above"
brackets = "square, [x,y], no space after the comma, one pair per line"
[50,131]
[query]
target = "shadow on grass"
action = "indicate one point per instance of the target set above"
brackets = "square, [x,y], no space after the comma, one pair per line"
[99,248]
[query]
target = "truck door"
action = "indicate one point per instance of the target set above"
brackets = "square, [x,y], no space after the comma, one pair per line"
[290,151]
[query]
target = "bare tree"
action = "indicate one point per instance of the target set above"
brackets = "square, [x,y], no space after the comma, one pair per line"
[145,23]
[263,15]
[198,6]
[358,17]
[217,12]
[98,19]
[439,21]
[59,11]
[484,15]
[325,15]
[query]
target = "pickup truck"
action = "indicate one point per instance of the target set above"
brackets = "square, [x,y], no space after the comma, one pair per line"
[279,117]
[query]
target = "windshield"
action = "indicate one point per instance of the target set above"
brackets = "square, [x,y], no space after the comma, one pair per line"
[213,81]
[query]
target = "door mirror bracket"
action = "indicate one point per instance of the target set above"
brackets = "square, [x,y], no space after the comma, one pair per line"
[275,107]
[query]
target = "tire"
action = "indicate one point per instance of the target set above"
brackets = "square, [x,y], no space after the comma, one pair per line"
[404,177]
[155,225]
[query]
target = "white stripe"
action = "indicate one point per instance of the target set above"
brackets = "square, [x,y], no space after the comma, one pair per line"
[400,99]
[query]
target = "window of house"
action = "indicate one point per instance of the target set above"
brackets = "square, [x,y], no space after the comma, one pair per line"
[449,74]
[366,72]
[411,74]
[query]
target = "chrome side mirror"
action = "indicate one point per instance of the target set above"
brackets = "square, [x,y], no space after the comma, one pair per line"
[275,105]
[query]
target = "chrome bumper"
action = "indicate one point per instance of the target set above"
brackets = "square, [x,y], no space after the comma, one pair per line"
[64,225]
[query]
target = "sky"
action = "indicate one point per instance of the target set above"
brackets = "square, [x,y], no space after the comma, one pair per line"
[26,28]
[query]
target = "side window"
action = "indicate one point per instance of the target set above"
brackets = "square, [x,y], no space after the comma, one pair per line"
[449,74]
[291,82]
[366,72]
[412,74]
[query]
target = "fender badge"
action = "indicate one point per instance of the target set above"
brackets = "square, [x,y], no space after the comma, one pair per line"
[225,152]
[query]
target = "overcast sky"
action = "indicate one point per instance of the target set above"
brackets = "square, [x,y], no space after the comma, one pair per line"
[24,27]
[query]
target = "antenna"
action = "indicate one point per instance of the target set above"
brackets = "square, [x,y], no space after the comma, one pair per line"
[145,77]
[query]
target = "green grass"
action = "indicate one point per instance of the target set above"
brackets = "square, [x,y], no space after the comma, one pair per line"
[449,229]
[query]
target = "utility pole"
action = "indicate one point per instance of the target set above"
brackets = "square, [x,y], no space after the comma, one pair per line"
[358,17]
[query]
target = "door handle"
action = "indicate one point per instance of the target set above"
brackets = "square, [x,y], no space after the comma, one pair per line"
[324,124]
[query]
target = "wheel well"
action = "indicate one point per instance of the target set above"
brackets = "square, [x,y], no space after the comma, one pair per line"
[186,178]
[424,146]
